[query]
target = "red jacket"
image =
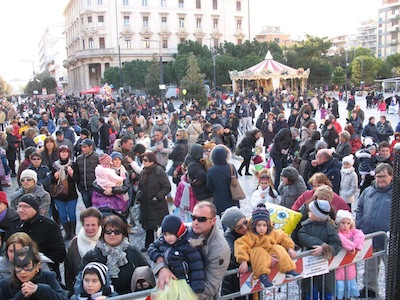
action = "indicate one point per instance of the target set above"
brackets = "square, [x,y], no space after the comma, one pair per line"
[337,201]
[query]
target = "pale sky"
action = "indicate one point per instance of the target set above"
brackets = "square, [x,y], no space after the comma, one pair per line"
[23,23]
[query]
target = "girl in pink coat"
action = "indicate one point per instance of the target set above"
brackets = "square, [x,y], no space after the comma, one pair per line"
[352,241]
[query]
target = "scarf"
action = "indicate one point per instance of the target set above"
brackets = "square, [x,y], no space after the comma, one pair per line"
[121,171]
[185,200]
[85,243]
[145,173]
[61,166]
[116,256]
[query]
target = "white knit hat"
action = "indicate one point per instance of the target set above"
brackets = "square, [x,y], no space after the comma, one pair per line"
[348,159]
[343,214]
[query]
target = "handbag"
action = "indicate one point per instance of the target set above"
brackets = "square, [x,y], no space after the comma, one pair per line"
[257,159]
[135,213]
[60,189]
[236,190]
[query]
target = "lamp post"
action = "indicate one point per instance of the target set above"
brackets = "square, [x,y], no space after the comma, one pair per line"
[286,49]
[119,50]
[345,84]
[214,71]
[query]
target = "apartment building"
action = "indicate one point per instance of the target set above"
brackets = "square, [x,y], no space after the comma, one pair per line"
[106,33]
[388,28]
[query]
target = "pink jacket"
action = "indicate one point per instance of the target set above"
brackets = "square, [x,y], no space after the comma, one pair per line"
[179,193]
[337,201]
[352,239]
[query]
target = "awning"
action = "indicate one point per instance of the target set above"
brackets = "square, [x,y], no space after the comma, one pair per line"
[92,90]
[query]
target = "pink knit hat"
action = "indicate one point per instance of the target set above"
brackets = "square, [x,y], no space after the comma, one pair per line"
[105,160]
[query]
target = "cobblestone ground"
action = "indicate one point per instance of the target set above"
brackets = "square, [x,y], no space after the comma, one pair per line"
[249,184]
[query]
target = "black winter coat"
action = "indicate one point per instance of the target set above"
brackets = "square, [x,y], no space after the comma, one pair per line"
[178,153]
[104,135]
[86,166]
[11,152]
[330,136]
[331,169]
[182,259]
[230,284]
[43,175]
[122,284]
[198,173]
[371,131]
[48,288]
[153,203]
[282,140]
[246,145]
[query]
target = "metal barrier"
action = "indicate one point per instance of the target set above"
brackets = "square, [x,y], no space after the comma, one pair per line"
[342,259]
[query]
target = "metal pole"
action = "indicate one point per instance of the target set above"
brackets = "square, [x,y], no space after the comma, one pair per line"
[393,265]
[161,65]
[345,88]
[215,76]
[119,48]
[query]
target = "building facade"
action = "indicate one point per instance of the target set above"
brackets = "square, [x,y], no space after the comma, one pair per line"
[388,28]
[367,35]
[105,33]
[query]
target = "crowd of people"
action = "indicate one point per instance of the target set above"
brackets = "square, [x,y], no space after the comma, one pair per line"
[115,154]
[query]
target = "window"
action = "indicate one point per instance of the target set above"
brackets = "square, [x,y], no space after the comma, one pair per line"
[198,22]
[216,42]
[126,21]
[238,6]
[83,45]
[145,21]
[215,4]
[89,20]
[99,2]
[393,36]
[125,2]
[198,4]
[182,40]
[165,43]
[102,43]
[215,23]
[91,43]
[163,22]
[100,20]
[144,2]
[181,3]
[163,3]
[239,24]
[181,22]
[146,43]
[128,43]
[239,42]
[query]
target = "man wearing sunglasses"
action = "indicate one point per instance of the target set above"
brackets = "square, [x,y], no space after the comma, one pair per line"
[213,245]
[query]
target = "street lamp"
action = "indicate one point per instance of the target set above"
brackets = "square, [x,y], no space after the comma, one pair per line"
[347,70]
[286,49]
[119,49]
[214,72]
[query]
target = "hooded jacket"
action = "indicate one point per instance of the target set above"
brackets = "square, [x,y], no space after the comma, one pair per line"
[371,131]
[219,179]
[290,192]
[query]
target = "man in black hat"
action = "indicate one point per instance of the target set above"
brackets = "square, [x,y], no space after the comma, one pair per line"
[84,134]
[43,230]
[69,134]
[61,140]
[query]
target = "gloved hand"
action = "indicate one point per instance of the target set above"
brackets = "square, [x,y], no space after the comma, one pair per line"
[327,251]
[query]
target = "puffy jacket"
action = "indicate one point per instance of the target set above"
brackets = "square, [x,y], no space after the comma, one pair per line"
[366,161]
[183,260]
[370,130]
[178,153]
[384,131]
[86,165]
[198,173]
[282,141]
[373,212]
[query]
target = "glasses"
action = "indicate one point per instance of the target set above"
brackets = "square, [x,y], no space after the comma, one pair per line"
[28,268]
[116,232]
[145,160]
[200,219]
[26,179]
[36,158]
[240,226]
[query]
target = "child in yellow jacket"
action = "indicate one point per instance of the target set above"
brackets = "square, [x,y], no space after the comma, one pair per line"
[259,243]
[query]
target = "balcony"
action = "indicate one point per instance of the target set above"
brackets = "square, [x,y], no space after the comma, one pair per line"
[393,42]
[393,17]
[82,54]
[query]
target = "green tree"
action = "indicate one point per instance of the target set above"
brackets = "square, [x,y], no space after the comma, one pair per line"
[111,76]
[5,88]
[132,73]
[339,76]
[194,47]
[363,69]
[47,81]
[193,82]
[152,78]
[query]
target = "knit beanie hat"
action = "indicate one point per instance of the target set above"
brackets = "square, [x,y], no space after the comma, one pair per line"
[30,199]
[3,198]
[98,268]
[348,159]
[324,192]
[290,173]
[320,209]
[116,154]
[28,173]
[261,213]
[174,225]
[343,214]
[321,145]
[231,216]
[105,160]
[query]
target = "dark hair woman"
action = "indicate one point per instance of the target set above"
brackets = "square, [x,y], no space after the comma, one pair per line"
[246,149]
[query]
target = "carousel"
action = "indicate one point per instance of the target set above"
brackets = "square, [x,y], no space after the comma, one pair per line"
[269,75]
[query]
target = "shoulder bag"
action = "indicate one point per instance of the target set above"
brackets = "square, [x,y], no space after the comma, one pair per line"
[236,190]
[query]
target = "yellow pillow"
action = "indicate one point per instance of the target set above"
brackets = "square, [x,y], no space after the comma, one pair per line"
[283,218]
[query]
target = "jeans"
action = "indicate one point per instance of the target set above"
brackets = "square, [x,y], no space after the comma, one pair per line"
[66,210]
[87,197]
[370,277]
[279,165]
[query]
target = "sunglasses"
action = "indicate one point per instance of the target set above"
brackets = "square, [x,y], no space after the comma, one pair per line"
[26,179]
[200,219]
[145,160]
[116,232]
[36,158]
[240,226]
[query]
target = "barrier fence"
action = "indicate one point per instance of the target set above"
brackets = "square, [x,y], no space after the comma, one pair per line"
[308,265]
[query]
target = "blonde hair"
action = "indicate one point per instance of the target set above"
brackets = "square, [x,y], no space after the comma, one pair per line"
[184,133]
